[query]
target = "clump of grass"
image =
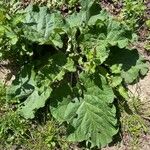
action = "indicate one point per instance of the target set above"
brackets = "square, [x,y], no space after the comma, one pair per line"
[12,129]
[2,94]
[133,125]
[16,132]
[47,136]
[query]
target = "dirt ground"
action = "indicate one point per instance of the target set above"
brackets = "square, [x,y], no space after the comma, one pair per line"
[142,88]
[7,72]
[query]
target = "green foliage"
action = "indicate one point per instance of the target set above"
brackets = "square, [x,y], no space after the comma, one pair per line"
[133,123]
[148,23]
[16,132]
[45,28]
[56,3]
[46,137]
[134,126]
[147,46]
[10,30]
[12,128]
[122,65]
[75,65]
[2,94]
[133,12]
[93,114]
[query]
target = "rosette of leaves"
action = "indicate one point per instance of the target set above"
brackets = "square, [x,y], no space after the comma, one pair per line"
[86,59]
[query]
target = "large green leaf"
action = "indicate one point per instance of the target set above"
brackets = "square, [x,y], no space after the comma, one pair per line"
[102,33]
[93,43]
[43,26]
[23,85]
[35,87]
[93,116]
[128,63]
[35,101]
[88,9]
[61,98]
[118,34]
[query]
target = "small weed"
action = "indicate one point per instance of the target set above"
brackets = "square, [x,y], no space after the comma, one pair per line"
[133,124]
[2,94]
[47,137]
[147,47]
[12,129]
[132,13]
[16,132]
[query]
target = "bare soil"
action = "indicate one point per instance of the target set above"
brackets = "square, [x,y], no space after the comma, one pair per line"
[142,89]
[7,72]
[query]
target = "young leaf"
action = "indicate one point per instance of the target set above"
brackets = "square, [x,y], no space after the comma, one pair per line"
[93,42]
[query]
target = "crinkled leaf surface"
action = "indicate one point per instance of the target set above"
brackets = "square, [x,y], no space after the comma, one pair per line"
[113,32]
[93,116]
[118,34]
[99,39]
[93,41]
[35,101]
[43,26]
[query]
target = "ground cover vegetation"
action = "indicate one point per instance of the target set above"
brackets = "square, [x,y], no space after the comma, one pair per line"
[74,61]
